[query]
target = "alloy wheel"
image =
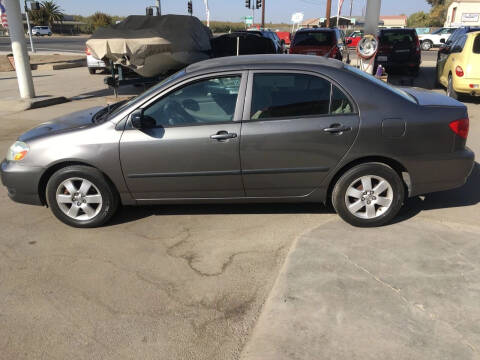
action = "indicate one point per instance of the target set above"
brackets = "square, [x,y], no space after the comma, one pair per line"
[369,197]
[79,199]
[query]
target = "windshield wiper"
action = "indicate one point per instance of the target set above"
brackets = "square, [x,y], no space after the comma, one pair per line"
[103,114]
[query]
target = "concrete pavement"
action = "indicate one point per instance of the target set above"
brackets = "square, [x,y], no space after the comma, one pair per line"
[409,290]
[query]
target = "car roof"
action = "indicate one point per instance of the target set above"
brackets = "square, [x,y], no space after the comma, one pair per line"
[246,61]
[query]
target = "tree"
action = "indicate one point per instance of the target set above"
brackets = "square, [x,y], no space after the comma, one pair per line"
[48,14]
[419,19]
[100,19]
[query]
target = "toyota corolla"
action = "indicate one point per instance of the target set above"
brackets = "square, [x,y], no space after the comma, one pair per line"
[263,128]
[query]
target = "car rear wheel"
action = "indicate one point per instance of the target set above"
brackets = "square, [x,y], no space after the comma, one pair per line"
[450,90]
[92,71]
[427,45]
[368,195]
[80,196]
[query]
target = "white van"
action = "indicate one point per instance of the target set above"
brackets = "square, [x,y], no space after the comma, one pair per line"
[41,31]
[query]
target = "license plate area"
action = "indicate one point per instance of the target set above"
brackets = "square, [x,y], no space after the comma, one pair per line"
[382,58]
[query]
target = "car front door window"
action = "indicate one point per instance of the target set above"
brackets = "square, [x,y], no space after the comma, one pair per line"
[207,101]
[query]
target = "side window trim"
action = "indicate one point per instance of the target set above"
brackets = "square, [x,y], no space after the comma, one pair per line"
[249,94]
[240,98]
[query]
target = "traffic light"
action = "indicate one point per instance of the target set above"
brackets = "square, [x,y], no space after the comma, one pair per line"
[190,7]
[248,4]
[35,5]
[259,4]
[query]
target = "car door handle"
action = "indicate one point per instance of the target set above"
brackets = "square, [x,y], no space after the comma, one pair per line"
[337,129]
[223,135]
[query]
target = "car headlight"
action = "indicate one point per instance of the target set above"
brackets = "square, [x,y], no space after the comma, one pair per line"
[17,151]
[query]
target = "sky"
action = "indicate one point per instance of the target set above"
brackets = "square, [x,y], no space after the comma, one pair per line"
[234,10]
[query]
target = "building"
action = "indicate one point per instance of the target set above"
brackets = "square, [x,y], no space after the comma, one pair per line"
[310,23]
[394,22]
[463,13]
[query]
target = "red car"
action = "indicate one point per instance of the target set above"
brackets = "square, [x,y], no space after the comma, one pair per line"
[285,37]
[354,38]
[320,42]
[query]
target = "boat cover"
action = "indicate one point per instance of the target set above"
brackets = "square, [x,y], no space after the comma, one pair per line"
[152,45]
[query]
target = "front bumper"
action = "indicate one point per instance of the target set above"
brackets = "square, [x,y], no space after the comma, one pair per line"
[22,182]
[443,173]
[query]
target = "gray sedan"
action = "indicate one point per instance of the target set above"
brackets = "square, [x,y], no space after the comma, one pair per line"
[267,128]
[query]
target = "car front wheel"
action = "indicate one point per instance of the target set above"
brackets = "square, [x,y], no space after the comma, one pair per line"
[81,196]
[368,195]
[427,45]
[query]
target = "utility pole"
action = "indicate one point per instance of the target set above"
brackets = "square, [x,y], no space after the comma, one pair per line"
[329,12]
[207,12]
[263,14]
[19,49]
[351,8]
[159,8]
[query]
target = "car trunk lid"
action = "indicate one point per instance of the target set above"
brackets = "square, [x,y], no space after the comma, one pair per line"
[430,98]
[472,70]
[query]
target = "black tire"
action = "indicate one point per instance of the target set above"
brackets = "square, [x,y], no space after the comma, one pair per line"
[426,45]
[374,169]
[450,90]
[49,34]
[92,71]
[109,195]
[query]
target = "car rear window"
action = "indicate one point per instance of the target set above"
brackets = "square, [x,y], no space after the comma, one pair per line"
[476,45]
[314,38]
[381,83]
[392,36]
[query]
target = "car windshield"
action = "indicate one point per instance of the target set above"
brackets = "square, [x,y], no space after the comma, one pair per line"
[381,83]
[125,104]
[314,38]
[438,31]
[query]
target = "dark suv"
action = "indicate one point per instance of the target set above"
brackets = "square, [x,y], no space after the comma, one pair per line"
[399,49]
[268,34]
[321,42]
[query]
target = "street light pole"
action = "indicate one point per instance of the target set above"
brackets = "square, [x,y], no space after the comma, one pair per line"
[329,12]
[159,8]
[19,49]
[29,27]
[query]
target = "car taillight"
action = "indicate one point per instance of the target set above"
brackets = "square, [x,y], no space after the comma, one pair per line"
[87,51]
[459,71]
[333,53]
[418,46]
[460,127]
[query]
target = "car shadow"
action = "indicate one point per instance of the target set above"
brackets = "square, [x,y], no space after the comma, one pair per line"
[467,195]
[132,213]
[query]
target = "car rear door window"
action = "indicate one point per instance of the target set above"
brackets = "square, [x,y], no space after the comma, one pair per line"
[476,45]
[296,95]
[206,101]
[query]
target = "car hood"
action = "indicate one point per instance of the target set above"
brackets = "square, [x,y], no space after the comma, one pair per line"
[73,121]
[430,98]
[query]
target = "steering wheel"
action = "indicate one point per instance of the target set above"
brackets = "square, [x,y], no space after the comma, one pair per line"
[176,114]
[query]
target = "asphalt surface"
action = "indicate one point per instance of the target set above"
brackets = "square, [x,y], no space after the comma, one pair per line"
[73,44]
[189,282]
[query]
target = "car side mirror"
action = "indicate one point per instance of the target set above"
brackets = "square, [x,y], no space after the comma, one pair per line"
[136,119]
[442,41]
[348,41]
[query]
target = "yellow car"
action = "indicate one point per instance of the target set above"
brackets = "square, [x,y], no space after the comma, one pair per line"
[459,69]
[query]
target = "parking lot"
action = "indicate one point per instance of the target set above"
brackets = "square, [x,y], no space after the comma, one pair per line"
[269,281]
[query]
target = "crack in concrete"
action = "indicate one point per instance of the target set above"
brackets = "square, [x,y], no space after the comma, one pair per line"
[432,316]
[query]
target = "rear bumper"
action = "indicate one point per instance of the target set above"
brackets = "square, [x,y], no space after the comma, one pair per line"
[21,182]
[461,85]
[442,173]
